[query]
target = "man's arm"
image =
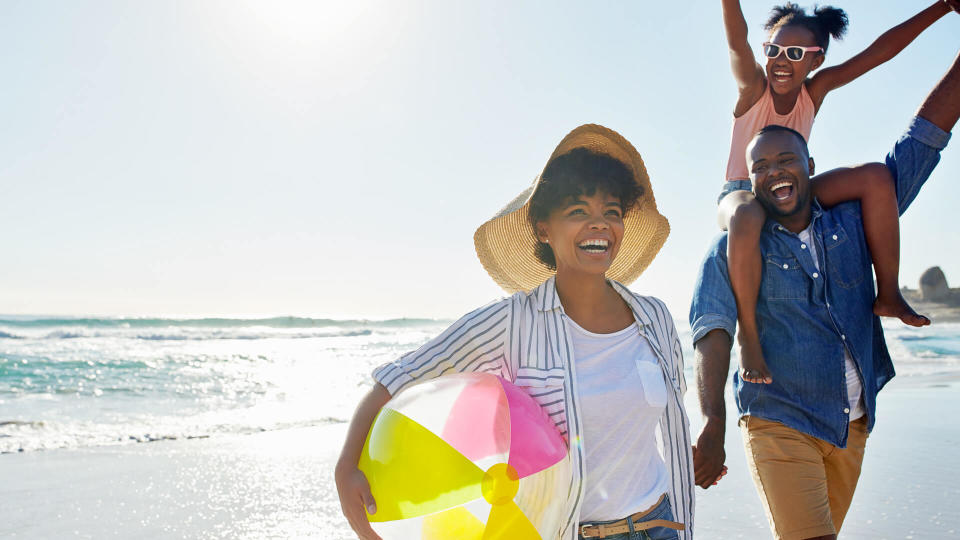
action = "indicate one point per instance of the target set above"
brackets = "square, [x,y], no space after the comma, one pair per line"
[712,366]
[942,105]
[713,320]
[915,156]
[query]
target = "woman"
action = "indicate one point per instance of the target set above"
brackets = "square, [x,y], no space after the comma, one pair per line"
[604,363]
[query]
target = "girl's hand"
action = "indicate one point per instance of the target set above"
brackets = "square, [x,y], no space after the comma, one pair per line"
[355,496]
[953,4]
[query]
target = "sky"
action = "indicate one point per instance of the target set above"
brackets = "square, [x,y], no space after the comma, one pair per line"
[332,159]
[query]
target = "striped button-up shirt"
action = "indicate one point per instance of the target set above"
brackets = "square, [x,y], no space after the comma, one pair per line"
[525,339]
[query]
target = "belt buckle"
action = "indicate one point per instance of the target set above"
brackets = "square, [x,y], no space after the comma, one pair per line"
[583,530]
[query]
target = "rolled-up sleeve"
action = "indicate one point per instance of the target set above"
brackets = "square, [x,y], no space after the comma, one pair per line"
[713,304]
[475,343]
[913,158]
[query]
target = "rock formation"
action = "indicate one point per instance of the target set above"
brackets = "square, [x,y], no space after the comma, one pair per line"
[934,297]
[933,285]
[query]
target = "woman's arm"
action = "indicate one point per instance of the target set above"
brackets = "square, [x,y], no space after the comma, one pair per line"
[885,47]
[477,342]
[746,72]
[352,484]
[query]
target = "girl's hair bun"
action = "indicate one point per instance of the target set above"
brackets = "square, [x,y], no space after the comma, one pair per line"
[833,20]
[826,21]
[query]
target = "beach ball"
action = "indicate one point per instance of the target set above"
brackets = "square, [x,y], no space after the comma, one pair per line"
[467,457]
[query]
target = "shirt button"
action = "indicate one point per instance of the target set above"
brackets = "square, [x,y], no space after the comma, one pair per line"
[834,237]
[846,410]
[815,275]
[803,246]
[786,266]
[843,337]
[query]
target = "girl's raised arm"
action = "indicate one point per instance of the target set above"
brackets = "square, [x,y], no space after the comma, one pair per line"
[746,71]
[885,47]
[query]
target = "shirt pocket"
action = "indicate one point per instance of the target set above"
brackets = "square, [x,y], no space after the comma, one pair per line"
[843,258]
[783,278]
[654,387]
[545,386]
[537,377]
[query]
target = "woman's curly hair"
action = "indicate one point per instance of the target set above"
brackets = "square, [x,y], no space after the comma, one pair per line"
[579,172]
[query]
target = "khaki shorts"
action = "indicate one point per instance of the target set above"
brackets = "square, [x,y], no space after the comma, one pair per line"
[805,484]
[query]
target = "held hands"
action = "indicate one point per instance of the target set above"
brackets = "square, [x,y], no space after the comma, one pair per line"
[953,4]
[355,496]
[708,456]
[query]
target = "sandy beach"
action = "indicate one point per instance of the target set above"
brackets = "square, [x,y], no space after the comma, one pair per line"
[220,217]
[279,484]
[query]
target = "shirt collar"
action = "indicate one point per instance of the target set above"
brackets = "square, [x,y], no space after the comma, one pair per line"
[547,299]
[815,212]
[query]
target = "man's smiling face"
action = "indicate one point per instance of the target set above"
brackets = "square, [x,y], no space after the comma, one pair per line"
[780,170]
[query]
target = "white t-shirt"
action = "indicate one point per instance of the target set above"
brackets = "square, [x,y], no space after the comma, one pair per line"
[854,387]
[622,396]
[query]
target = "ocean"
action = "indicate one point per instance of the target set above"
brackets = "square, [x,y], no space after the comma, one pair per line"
[83,382]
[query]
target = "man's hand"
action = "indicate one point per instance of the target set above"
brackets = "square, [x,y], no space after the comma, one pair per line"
[708,455]
[355,496]
[711,368]
[953,4]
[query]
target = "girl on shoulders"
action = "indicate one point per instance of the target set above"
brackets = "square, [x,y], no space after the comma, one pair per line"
[784,90]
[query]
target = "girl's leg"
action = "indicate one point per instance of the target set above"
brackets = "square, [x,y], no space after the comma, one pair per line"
[881,226]
[743,218]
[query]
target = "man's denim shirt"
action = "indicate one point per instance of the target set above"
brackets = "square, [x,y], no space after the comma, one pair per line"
[807,316]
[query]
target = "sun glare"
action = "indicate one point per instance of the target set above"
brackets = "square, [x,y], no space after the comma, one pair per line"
[305,22]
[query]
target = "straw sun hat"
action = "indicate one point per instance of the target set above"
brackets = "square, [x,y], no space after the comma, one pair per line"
[505,243]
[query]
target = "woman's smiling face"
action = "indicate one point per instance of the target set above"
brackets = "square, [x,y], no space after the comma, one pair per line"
[584,233]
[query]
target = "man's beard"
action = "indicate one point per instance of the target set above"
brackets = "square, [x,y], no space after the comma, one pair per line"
[774,211]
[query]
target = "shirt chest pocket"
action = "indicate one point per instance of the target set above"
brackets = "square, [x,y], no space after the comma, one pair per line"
[545,386]
[539,377]
[783,278]
[844,257]
[654,387]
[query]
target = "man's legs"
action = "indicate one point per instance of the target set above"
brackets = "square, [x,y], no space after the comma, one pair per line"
[843,470]
[788,471]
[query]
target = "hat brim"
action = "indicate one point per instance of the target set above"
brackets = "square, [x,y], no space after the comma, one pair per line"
[505,244]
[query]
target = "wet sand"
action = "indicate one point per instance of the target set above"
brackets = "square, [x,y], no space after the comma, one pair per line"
[909,485]
[279,484]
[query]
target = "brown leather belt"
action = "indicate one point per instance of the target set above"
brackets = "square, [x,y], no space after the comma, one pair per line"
[623,526]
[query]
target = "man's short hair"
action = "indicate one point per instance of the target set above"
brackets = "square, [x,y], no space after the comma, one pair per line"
[773,128]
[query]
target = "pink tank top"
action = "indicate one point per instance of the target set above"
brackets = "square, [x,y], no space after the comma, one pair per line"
[760,115]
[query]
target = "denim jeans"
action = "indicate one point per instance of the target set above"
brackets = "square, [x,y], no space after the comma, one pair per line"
[734,185]
[662,511]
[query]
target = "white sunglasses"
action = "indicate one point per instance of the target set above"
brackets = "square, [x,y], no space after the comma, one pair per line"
[795,53]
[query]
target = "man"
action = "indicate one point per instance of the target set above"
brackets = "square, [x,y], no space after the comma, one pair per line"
[805,432]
